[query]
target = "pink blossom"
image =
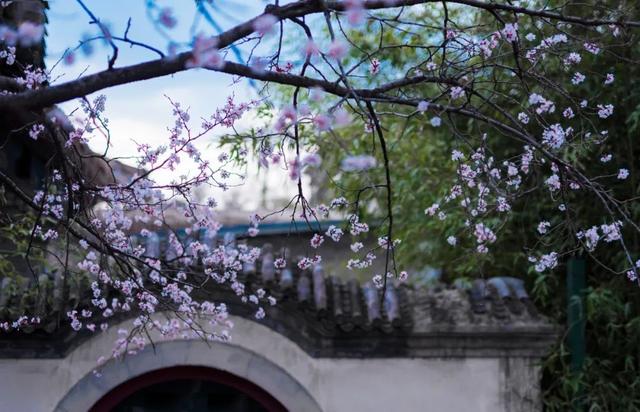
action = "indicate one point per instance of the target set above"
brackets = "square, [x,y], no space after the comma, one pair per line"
[357,227]
[523,118]
[316,94]
[568,113]
[338,50]
[304,263]
[355,11]
[615,30]
[484,234]
[264,24]
[284,69]
[304,110]
[334,233]
[312,159]
[69,58]
[322,122]
[166,18]
[431,210]
[341,117]
[205,54]
[423,106]
[355,247]
[503,205]
[259,64]
[457,155]
[510,32]
[605,111]
[374,68]
[609,79]
[545,106]
[577,78]
[623,174]
[310,48]
[280,263]
[357,163]
[572,58]
[548,261]
[554,136]
[289,113]
[317,240]
[339,202]
[35,131]
[356,16]
[294,169]
[611,232]
[30,33]
[543,227]
[553,182]
[457,92]
[591,48]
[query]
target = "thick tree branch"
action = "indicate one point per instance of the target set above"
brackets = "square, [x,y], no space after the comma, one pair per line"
[34,99]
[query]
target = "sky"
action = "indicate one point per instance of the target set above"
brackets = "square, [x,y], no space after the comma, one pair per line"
[140,111]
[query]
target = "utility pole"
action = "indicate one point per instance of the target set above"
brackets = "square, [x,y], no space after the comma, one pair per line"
[576,321]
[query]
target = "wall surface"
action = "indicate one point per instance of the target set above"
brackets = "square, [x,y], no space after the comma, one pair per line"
[273,362]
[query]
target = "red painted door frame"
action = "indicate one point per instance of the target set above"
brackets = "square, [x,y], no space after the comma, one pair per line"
[128,388]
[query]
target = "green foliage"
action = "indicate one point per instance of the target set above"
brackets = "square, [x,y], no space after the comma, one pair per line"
[610,379]
[422,173]
[15,235]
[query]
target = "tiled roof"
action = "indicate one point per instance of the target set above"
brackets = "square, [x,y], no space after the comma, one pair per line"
[326,314]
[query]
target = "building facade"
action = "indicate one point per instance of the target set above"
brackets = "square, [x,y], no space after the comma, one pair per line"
[328,345]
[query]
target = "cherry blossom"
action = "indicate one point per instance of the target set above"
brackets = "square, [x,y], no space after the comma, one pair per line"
[591,48]
[35,131]
[264,24]
[337,50]
[166,18]
[577,78]
[29,33]
[316,241]
[609,79]
[623,174]
[605,111]
[552,154]
[543,227]
[334,233]
[205,54]
[357,163]
[375,66]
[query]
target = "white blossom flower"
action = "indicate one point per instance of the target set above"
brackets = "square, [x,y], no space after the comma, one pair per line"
[623,174]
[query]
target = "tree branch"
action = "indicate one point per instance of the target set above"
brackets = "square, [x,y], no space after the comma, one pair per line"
[161,67]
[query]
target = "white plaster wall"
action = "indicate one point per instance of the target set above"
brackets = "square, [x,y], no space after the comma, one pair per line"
[349,385]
